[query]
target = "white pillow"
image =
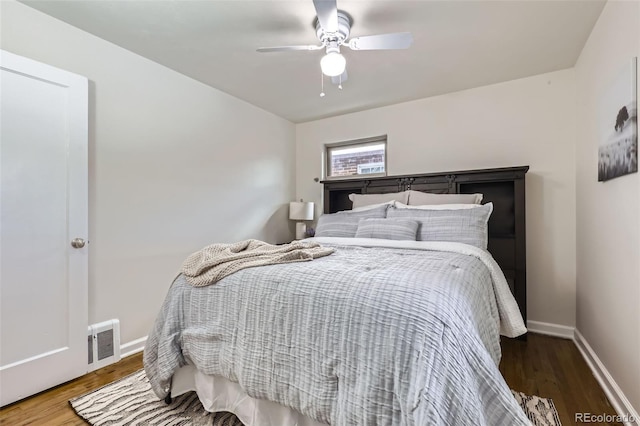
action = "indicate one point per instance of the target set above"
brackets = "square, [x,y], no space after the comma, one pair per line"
[361,200]
[418,198]
[437,206]
[373,206]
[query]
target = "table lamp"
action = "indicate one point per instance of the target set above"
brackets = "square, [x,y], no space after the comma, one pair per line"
[300,211]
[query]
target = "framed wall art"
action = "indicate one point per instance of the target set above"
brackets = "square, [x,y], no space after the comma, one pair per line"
[618,126]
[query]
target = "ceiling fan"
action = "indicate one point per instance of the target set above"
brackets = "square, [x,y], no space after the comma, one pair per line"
[333,27]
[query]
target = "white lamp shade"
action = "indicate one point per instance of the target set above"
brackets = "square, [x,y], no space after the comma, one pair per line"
[333,64]
[299,210]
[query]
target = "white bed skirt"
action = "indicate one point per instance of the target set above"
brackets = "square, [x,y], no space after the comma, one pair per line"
[219,394]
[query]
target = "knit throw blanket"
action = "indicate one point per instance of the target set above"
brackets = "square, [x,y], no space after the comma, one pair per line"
[214,262]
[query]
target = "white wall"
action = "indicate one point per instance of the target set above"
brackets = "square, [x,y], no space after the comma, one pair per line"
[174,165]
[523,122]
[608,214]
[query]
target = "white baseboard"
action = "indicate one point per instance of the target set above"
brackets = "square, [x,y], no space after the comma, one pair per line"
[549,329]
[617,398]
[132,347]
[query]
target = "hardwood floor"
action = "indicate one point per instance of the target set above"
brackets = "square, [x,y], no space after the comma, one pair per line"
[552,367]
[52,407]
[545,366]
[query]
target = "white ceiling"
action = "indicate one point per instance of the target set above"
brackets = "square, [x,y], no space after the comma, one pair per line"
[457,45]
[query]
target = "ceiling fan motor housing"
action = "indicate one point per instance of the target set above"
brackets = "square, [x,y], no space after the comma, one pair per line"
[344,28]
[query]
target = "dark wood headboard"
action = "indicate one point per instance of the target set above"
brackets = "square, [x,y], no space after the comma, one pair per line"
[504,187]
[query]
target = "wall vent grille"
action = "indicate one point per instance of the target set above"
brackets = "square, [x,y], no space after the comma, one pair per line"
[103,344]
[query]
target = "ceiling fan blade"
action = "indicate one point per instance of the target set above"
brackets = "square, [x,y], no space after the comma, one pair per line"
[340,78]
[381,41]
[288,48]
[327,11]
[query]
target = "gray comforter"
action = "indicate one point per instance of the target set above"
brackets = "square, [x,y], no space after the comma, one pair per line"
[365,336]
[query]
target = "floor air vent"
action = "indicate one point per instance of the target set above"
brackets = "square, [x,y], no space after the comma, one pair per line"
[104,344]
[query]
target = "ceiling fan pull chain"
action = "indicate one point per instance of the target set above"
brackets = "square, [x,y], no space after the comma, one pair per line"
[340,84]
[322,84]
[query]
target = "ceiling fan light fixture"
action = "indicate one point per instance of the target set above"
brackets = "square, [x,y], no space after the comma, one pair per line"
[333,64]
[333,29]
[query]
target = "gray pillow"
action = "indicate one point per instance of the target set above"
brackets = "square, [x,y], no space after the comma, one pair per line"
[345,223]
[469,226]
[418,198]
[389,229]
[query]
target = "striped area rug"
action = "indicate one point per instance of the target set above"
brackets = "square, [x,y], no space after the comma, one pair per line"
[130,401]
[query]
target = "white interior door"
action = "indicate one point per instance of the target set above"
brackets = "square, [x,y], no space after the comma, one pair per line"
[43,207]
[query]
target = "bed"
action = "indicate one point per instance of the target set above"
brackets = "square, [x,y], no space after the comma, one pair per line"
[381,332]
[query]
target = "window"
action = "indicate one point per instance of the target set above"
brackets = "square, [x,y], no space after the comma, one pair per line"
[365,169]
[359,157]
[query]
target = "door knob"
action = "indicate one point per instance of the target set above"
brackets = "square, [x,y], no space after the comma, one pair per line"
[77,243]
